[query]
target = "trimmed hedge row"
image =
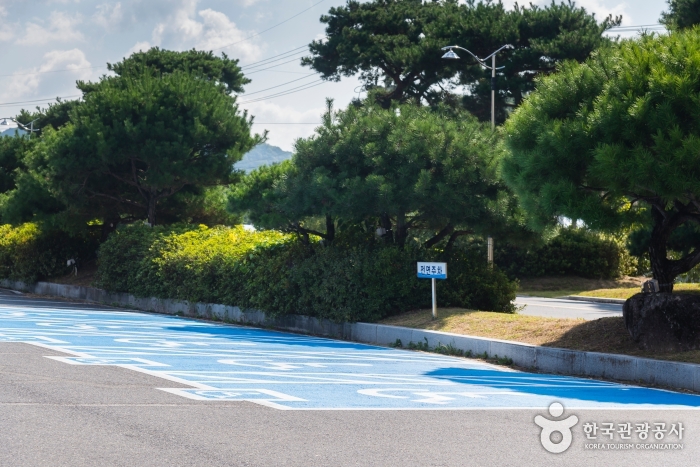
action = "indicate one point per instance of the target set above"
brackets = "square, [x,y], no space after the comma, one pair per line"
[29,254]
[572,252]
[273,272]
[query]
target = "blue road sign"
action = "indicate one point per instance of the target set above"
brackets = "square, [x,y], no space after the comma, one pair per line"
[291,372]
[432,270]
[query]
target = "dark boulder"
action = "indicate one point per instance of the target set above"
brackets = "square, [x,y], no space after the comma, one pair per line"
[664,321]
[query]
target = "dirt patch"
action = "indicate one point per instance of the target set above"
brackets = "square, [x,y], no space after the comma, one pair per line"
[86,275]
[607,335]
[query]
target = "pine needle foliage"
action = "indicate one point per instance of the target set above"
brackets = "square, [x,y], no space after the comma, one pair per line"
[614,141]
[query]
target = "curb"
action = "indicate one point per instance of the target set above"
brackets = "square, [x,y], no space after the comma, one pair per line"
[543,359]
[581,298]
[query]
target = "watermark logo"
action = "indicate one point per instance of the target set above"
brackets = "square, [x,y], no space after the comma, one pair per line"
[549,427]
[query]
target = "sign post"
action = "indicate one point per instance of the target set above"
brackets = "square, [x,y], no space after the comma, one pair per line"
[433,271]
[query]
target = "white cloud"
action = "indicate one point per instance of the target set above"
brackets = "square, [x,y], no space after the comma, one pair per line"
[74,60]
[139,47]
[35,81]
[61,28]
[207,29]
[184,20]
[109,16]
[7,30]
[598,7]
[602,11]
[283,136]
[219,31]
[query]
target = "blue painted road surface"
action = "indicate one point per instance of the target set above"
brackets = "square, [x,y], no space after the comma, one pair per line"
[292,372]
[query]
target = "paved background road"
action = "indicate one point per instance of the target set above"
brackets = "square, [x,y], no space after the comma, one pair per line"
[241,396]
[558,308]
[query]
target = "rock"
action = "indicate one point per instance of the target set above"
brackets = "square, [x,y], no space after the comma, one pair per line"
[664,321]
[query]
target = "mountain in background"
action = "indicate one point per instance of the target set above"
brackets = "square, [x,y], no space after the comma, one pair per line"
[8,127]
[262,154]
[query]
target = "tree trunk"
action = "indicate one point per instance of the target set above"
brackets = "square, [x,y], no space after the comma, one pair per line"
[661,272]
[658,252]
[109,225]
[152,200]
[455,235]
[401,230]
[385,221]
[330,228]
[666,270]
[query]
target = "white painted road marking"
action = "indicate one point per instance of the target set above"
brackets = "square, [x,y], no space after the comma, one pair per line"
[292,372]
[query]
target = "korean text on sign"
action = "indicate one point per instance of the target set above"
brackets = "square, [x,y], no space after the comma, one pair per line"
[432,270]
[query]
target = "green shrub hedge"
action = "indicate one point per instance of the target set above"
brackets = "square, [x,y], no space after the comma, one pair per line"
[572,252]
[273,272]
[29,254]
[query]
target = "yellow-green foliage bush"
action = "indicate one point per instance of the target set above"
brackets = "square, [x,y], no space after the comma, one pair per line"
[198,264]
[186,262]
[29,254]
[273,272]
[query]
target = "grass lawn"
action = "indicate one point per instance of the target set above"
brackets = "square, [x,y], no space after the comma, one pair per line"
[555,287]
[628,292]
[603,335]
[561,286]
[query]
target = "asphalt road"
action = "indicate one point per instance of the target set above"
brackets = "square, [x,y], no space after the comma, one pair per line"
[87,386]
[558,308]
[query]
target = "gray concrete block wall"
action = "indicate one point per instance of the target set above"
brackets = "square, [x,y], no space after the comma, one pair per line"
[610,366]
[523,355]
[674,374]
[387,335]
[544,359]
[475,345]
[568,362]
[432,338]
[364,332]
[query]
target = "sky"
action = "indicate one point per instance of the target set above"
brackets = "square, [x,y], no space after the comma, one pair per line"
[46,45]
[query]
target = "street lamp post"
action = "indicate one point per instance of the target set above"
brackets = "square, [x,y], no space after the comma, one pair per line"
[451,55]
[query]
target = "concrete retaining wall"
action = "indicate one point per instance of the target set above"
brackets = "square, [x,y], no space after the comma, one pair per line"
[544,359]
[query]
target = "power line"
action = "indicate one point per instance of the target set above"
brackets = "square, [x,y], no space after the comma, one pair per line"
[289,91]
[273,66]
[261,62]
[276,60]
[280,85]
[638,26]
[38,100]
[636,29]
[291,72]
[647,27]
[270,28]
[54,71]
[70,97]
[275,56]
[288,123]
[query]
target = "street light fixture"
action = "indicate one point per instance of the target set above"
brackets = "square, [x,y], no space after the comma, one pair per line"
[451,55]
[30,129]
